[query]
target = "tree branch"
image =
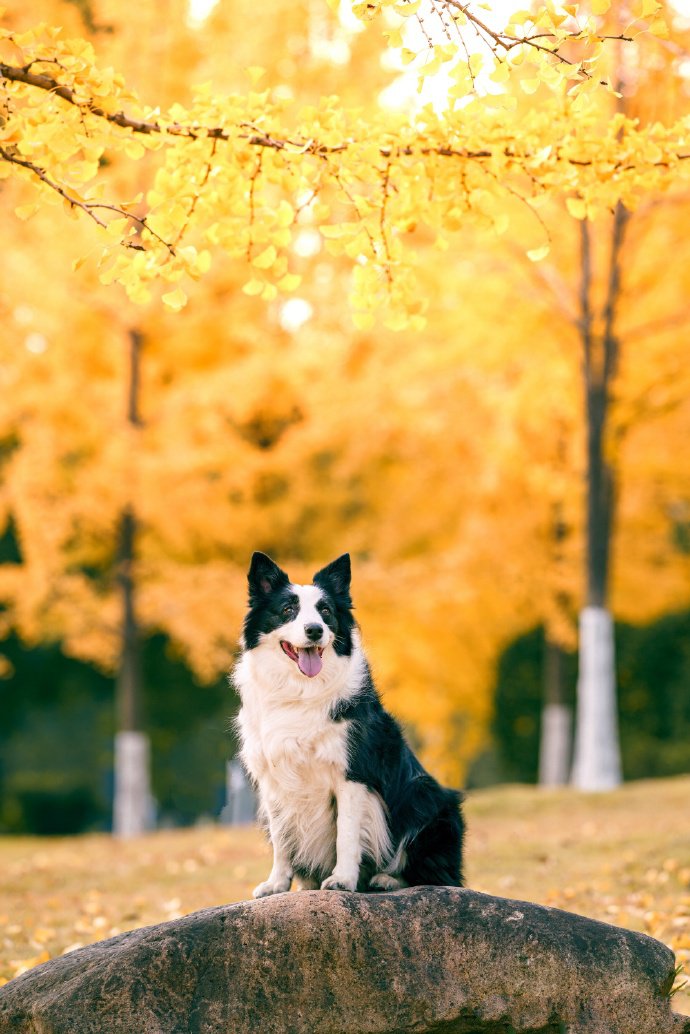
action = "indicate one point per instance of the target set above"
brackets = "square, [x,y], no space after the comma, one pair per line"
[89,207]
[507,43]
[257,137]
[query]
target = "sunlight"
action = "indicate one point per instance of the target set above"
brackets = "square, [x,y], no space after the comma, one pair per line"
[199,11]
[294,313]
[432,27]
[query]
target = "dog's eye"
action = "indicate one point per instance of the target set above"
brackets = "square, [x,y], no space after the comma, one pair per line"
[325,612]
[287,610]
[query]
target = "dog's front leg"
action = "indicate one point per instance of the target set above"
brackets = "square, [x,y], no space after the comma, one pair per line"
[351,802]
[281,874]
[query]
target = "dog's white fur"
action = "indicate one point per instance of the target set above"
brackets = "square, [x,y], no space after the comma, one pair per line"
[297,757]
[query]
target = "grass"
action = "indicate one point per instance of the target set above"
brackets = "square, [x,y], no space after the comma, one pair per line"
[622,857]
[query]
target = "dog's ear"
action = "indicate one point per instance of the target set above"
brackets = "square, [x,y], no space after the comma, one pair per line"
[264,577]
[335,578]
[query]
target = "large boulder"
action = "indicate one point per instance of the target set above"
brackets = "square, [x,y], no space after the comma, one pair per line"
[427,959]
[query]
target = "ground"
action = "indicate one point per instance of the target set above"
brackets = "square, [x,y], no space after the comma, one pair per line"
[622,857]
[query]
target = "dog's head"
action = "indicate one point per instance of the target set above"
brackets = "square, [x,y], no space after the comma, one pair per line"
[302,621]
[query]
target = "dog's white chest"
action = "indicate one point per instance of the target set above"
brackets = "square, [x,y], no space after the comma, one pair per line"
[292,744]
[298,757]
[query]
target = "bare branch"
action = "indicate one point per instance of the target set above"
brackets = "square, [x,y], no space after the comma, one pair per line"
[507,43]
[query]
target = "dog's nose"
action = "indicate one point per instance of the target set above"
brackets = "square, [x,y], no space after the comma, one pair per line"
[313,632]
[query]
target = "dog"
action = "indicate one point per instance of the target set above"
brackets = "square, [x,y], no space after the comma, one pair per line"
[347,804]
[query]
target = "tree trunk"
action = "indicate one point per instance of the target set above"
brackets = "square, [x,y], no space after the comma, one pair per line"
[597,753]
[555,745]
[556,720]
[132,811]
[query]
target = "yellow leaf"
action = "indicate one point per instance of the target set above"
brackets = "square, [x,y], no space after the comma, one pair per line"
[116,227]
[393,38]
[577,207]
[363,320]
[266,258]
[134,149]
[255,72]
[26,211]
[476,63]
[397,321]
[501,222]
[537,254]
[289,282]
[203,261]
[139,293]
[285,213]
[659,28]
[600,6]
[501,73]
[253,286]
[176,299]
[332,231]
[529,85]
[407,9]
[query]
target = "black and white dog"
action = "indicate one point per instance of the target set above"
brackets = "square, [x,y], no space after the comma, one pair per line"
[347,804]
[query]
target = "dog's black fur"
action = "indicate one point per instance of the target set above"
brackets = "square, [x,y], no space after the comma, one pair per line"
[424,819]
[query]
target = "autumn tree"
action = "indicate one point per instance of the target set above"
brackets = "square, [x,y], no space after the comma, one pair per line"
[229,185]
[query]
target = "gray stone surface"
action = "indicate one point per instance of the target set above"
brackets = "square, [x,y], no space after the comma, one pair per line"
[434,960]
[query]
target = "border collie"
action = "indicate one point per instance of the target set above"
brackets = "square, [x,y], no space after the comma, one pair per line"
[347,804]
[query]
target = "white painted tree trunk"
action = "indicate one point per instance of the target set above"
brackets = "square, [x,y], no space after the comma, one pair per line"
[133,806]
[597,763]
[240,803]
[554,749]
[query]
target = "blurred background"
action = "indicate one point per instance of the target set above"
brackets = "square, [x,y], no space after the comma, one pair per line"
[144,455]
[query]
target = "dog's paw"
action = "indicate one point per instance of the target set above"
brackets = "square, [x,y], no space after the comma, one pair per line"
[383,882]
[338,883]
[269,887]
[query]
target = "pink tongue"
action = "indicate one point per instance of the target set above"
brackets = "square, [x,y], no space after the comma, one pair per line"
[308,661]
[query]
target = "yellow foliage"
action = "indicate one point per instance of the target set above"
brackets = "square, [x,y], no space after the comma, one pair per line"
[227,169]
[449,462]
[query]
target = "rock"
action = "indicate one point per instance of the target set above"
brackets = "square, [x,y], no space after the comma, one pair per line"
[427,959]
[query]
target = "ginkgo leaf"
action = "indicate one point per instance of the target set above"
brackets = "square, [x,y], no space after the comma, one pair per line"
[289,282]
[537,254]
[285,213]
[253,287]
[176,299]
[408,8]
[266,258]
[659,27]
[26,211]
[363,320]
[577,207]
[134,149]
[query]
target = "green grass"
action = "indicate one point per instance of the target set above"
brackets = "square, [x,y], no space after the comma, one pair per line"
[622,857]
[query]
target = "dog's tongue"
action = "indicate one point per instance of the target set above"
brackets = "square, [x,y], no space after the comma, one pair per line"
[309,661]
